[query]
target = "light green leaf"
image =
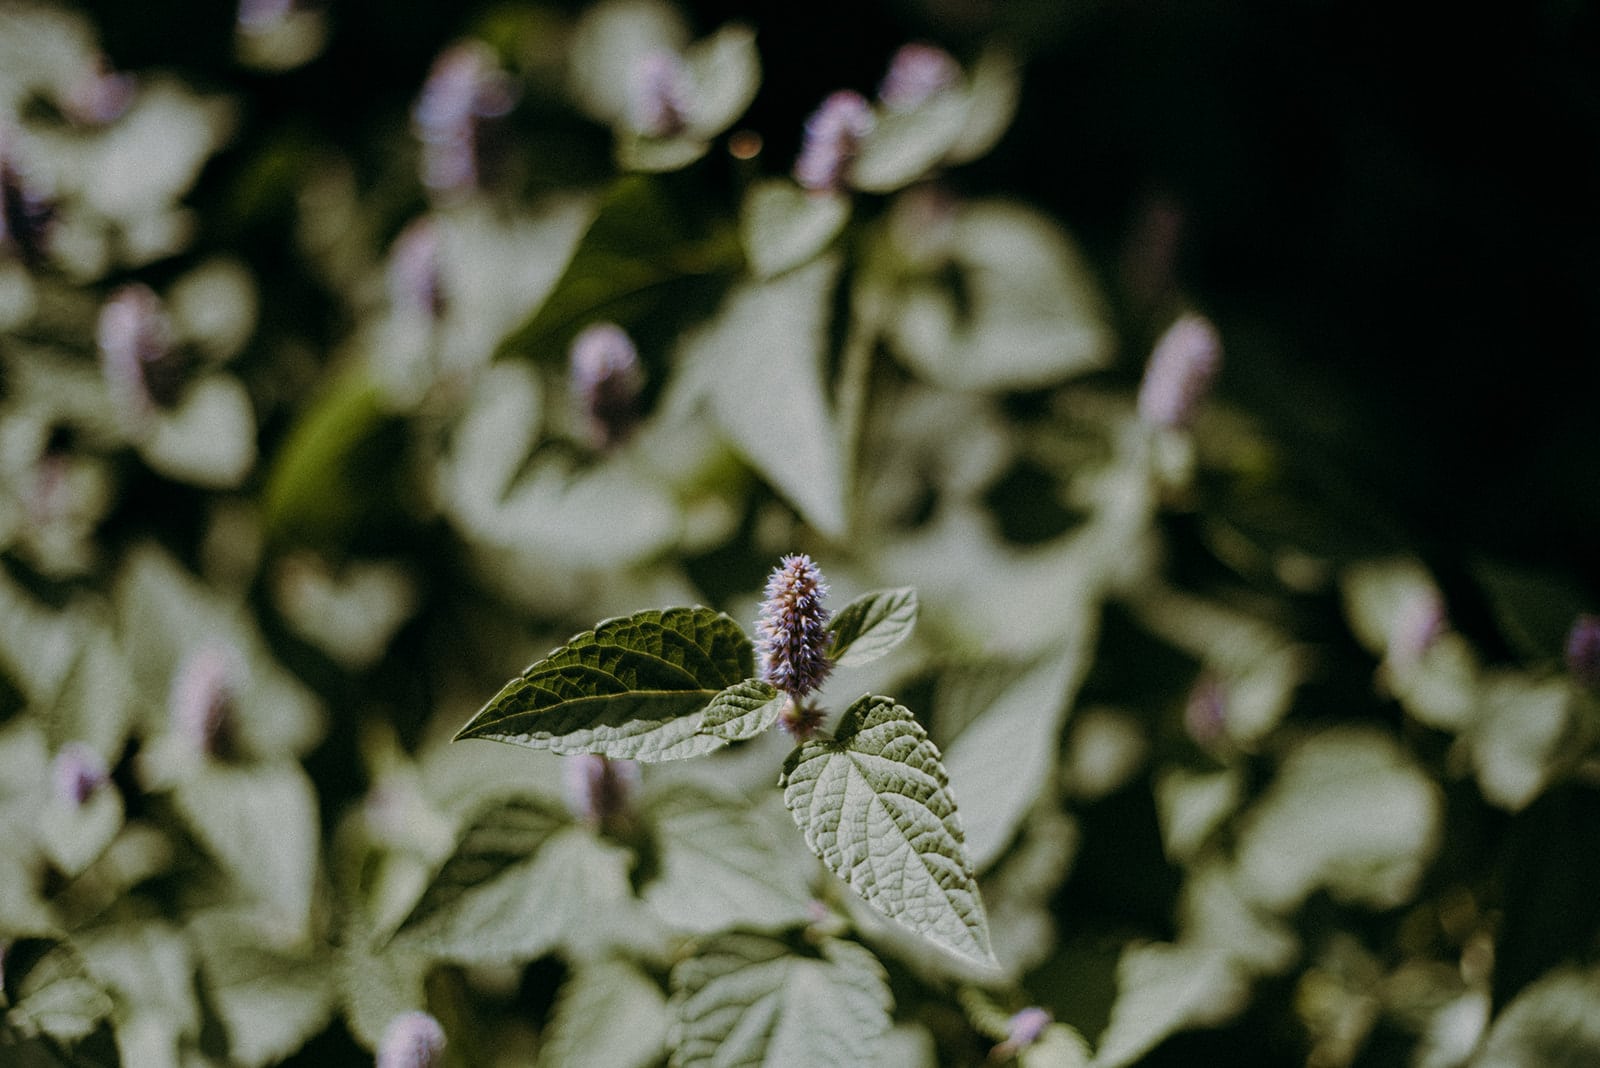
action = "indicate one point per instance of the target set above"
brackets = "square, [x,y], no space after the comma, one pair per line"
[1190,805]
[270,1000]
[1521,736]
[872,625]
[783,226]
[260,823]
[377,983]
[743,711]
[993,91]
[150,970]
[608,1014]
[635,687]
[210,439]
[1059,1046]
[746,1000]
[1554,1023]
[905,145]
[874,803]
[1163,989]
[725,70]
[1347,811]
[720,867]
[72,836]
[50,993]
[758,366]
[573,891]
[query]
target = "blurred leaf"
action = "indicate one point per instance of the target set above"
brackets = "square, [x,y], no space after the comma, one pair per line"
[608,1014]
[875,805]
[72,836]
[1533,608]
[905,145]
[1001,763]
[743,711]
[783,226]
[50,992]
[759,367]
[720,867]
[635,687]
[260,823]
[1214,913]
[1555,1023]
[149,969]
[1059,1047]
[377,983]
[1030,314]
[1348,811]
[1523,733]
[724,72]
[743,999]
[270,1000]
[872,625]
[1193,804]
[1163,989]
[993,89]
[209,440]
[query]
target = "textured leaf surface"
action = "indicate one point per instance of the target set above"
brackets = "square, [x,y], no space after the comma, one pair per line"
[872,625]
[744,1000]
[635,687]
[875,804]
[720,867]
[609,1014]
[743,711]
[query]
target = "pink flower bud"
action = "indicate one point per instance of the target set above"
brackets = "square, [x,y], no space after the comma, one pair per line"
[137,354]
[26,214]
[204,699]
[606,380]
[833,136]
[78,772]
[1180,372]
[464,88]
[916,73]
[412,1040]
[415,278]
[1583,651]
[660,99]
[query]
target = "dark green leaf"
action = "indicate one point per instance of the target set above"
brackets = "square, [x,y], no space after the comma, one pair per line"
[636,687]
[872,625]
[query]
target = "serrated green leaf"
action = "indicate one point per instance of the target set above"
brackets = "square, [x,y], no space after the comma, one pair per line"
[743,711]
[573,891]
[260,823]
[744,1000]
[783,226]
[872,625]
[501,835]
[1163,989]
[636,687]
[270,1000]
[720,867]
[608,1014]
[51,992]
[874,803]
[1554,1023]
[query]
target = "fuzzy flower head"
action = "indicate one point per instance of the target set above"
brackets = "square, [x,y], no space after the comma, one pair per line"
[1179,375]
[1583,651]
[659,102]
[78,772]
[606,380]
[792,631]
[916,73]
[412,1040]
[833,136]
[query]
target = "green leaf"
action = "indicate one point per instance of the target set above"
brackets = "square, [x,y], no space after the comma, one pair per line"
[905,145]
[743,711]
[260,823]
[1522,736]
[149,970]
[609,1014]
[748,1000]
[872,625]
[759,368]
[50,993]
[1163,989]
[720,866]
[574,891]
[636,687]
[1554,1023]
[783,226]
[270,1000]
[874,803]
[377,983]
[72,836]
[209,440]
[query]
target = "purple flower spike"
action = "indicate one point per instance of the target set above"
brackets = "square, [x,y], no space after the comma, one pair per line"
[833,135]
[78,773]
[1180,372]
[792,630]
[916,73]
[412,1040]
[464,88]
[600,790]
[660,101]
[606,380]
[1583,651]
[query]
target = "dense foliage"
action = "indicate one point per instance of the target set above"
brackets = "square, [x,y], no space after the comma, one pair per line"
[424,434]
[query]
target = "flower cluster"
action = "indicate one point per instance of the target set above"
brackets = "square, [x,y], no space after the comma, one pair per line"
[833,136]
[792,629]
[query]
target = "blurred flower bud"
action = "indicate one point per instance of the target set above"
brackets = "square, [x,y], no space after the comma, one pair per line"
[137,353]
[1180,372]
[256,15]
[464,88]
[1205,714]
[801,719]
[412,1040]
[916,73]
[606,380]
[1583,651]
[600,790]
[416,280]
[660,98]
[1023,1030]
[78,772]
[1417,625]
[99,96]
[833,135]
[204,700]
[25,212]
[792,629]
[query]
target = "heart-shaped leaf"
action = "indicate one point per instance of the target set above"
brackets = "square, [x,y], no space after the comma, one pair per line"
[871,625]
[875,805]
[636,687]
